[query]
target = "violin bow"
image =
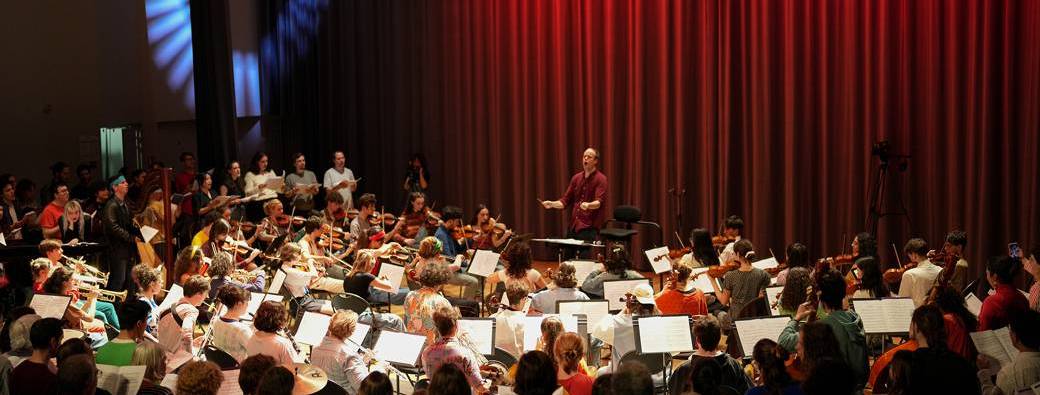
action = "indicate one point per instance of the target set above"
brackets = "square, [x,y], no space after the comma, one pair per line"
[896,251]
[681,245]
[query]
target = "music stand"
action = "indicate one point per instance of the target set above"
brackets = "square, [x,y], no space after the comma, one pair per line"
[470,324]
[677,340]
[622,285]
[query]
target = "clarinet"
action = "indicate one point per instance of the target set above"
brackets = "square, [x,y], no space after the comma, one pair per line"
[285,333]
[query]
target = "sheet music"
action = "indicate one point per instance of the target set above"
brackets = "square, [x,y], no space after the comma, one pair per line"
[703,281]
[669,334]
[394,273]
[582,270]
[399,347]
[169,381]
[753,330]
[767,263]
[973,303]
[533,328]
[996,344]
[275,182]
[313,327]
[50,306]
[3,241]
[360,333]
[172,296]
[276,282]
[230,384]
[572,242]
[659,259]
[889,315]
[120,380]
[594,310]
[615,290]
[480,333]
[484,263]
[255,299]
[771,298]
[148,232]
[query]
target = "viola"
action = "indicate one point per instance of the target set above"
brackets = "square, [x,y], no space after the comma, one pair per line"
[719,271]
[390,220]
[237,248]
[335,232]
[774,271]
[837,260]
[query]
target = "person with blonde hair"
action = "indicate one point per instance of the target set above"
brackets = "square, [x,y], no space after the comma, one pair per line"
[271,318]
[153,358]
[338,356]
[569,353]
[420,305]
[74,225]
[299,278]
[199,378]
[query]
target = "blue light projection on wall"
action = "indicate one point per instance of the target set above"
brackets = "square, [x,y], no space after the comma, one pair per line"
[169,34]
[295,29]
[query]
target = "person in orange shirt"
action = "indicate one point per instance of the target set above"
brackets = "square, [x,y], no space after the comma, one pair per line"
[675,298]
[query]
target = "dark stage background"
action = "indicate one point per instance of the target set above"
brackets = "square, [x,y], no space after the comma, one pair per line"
[767,109]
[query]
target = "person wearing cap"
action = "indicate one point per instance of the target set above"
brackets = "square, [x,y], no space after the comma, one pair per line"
[120,234]
[617,329]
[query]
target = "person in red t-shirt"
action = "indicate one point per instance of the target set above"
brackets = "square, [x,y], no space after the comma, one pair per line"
[568,350]
[53,211]
[676,299]
[1007,302]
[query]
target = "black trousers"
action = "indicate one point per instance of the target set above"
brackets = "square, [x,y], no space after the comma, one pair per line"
[588,235]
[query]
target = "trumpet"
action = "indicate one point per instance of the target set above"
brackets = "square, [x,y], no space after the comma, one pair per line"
[82,267]
[103,295]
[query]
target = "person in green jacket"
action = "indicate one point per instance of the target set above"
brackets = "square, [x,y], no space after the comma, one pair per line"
[120,351]
[846,324]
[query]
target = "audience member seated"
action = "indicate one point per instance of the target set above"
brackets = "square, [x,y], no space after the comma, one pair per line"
[270,319]
[569,352]
[615,268]
[120,350]
[199,378]
[446,350]
[75,226]
[769,359]
[420,305]
[177,325]
[509,320]
[230,334]
[517,261]
[77,375]
[707,334]
[935,368]
[54,211]
[338,357]
[675,298]
[151,355]
[565,287]
[1024,370]
[616,329]
[535,374]
[37,374]
[1007,302]
[251,370]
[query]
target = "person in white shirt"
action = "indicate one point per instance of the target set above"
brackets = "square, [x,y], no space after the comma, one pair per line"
[732,229]
[339,357]
[256,179]
[230,334]
[341,180]
[270,319]
[917,282]
[329,269]
[617,329]
[299,276]
[1022,371]
[177,325]
[565,287]
[509,321]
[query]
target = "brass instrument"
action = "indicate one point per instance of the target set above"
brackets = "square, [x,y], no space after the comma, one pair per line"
[103,295]
[90,273]
[245,277]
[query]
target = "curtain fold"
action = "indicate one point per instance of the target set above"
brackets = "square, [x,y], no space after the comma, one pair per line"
[765,109]
[215,115]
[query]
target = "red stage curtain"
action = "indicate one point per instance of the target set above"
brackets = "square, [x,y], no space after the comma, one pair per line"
[766,109]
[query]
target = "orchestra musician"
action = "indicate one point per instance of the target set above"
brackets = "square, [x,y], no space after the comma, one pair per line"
[565,287]
[81,312]
[366,208]
[420,304]
[676,298]
[615,268]
[271,319]
[742,286]
[447,350]
[153,216]
[509,320]
[361,282]
[177,325]
[54,253]
[269,228]
[333,214]
[732,229]
[517,269]
[917,282]
[299,277]
[414,218]
[486,237]
[339,357]
[230,333]
[188,263]
[451,248]
[702,253]
[316,258]
[586,193]
[149,284]
[220,275]
[956,241]
[617,329]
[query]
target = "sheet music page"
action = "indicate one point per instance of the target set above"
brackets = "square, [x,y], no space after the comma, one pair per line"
[594,310]
[1004,337]
[276,282]
[582,270]
[973,303]
[172,296]
[665,334]
[256,298]
[275,183]
[751,331]
[134,375]
[230,384]
[533,328]
[50,306]
[771,297]
[313,327]
[659,259]
[148,232]
[484,263]
[989,343]
[169,381]
[399,347]
[394,274]
[360,332]
[479,333]
[110,380]
[767,263]
[890,315]
[614,291]
[703,281]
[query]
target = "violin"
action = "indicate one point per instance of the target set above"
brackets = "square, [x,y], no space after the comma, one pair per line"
[330,242]
[284,220]
[351,214]
[390,220]
[834,261]
[244,226]
[236,247]
[720,271]
[677,253]
[464,232]
[721,241]
[774,271]
[499,229]
[335,232]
